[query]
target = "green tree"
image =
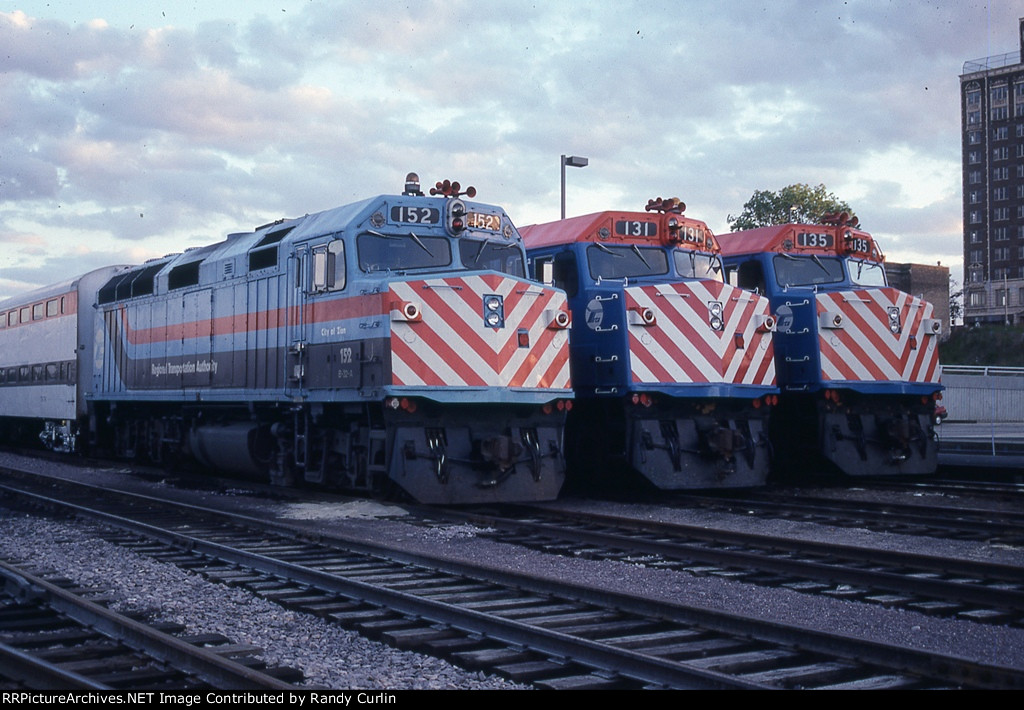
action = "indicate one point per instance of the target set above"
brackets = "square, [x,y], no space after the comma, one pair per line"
[799,203]
[956,302]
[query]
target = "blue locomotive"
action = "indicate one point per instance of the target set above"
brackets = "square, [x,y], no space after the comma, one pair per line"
[672,367]
[857,360]
[393,342]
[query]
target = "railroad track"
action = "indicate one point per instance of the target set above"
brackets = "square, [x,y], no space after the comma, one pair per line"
[984,592]
[55,637]
[525,627]
[960,523]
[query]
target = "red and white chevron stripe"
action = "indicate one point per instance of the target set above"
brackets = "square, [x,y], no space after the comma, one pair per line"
[682,346]
[864,349]
[449,346]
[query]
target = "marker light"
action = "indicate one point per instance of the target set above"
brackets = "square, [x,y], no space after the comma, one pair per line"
[830,319]
[407,311]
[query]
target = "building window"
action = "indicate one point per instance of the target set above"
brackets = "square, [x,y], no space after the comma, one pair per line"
[973,157]
[1001,153]
[1000,213]
[976,298]
[1001,298]
[974,177]
[975,217]
[974,98]
[1000,273]
[1001,234]
[975,237]
[999,94]
[973,118]
[974,137]
[1020,252]
[1001,254]
[1001,133]
[999,113]
[1001,174]
[975,256]
[975,197]
[1020,194]
[1000,193]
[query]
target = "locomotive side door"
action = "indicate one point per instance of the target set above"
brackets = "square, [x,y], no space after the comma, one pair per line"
[296,278]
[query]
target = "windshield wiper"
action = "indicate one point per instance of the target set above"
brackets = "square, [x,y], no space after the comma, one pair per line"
[606,250]
[636,250]
[419,242]
[817,261]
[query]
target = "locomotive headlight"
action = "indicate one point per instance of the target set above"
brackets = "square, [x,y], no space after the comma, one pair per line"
[494,310]
[715,309]
[894,320]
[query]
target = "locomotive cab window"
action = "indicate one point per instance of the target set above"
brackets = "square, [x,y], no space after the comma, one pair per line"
[398,252]
[566,275]
[866,273]
[807,270]
[695,264]
[544,270]
[492,256]
[329,266]
[619,262]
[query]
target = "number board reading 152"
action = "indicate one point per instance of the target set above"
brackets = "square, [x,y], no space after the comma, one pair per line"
[480,220]
[415,215]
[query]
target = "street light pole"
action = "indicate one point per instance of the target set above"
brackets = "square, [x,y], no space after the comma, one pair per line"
[576,162]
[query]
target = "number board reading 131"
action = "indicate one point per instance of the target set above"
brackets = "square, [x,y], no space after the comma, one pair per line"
[636,228]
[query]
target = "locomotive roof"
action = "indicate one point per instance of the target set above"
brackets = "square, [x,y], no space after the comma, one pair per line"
[605,227]
[801,238]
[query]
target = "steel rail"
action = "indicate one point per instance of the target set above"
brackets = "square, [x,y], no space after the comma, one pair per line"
[208,665]
[601,656]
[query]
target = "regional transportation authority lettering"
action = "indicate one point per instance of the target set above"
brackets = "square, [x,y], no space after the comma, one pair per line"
[184,368]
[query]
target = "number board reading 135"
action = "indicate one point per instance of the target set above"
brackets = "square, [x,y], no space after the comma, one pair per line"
[814,239]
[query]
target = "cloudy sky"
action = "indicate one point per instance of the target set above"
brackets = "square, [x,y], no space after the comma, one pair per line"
[130,130]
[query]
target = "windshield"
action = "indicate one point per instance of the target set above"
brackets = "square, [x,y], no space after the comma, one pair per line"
[866,273]
[807,270]
[697,264]
[397,252]
[618,262]
[492,256]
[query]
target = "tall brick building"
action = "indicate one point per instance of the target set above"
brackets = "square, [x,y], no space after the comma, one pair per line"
[929,282]
[992,114]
